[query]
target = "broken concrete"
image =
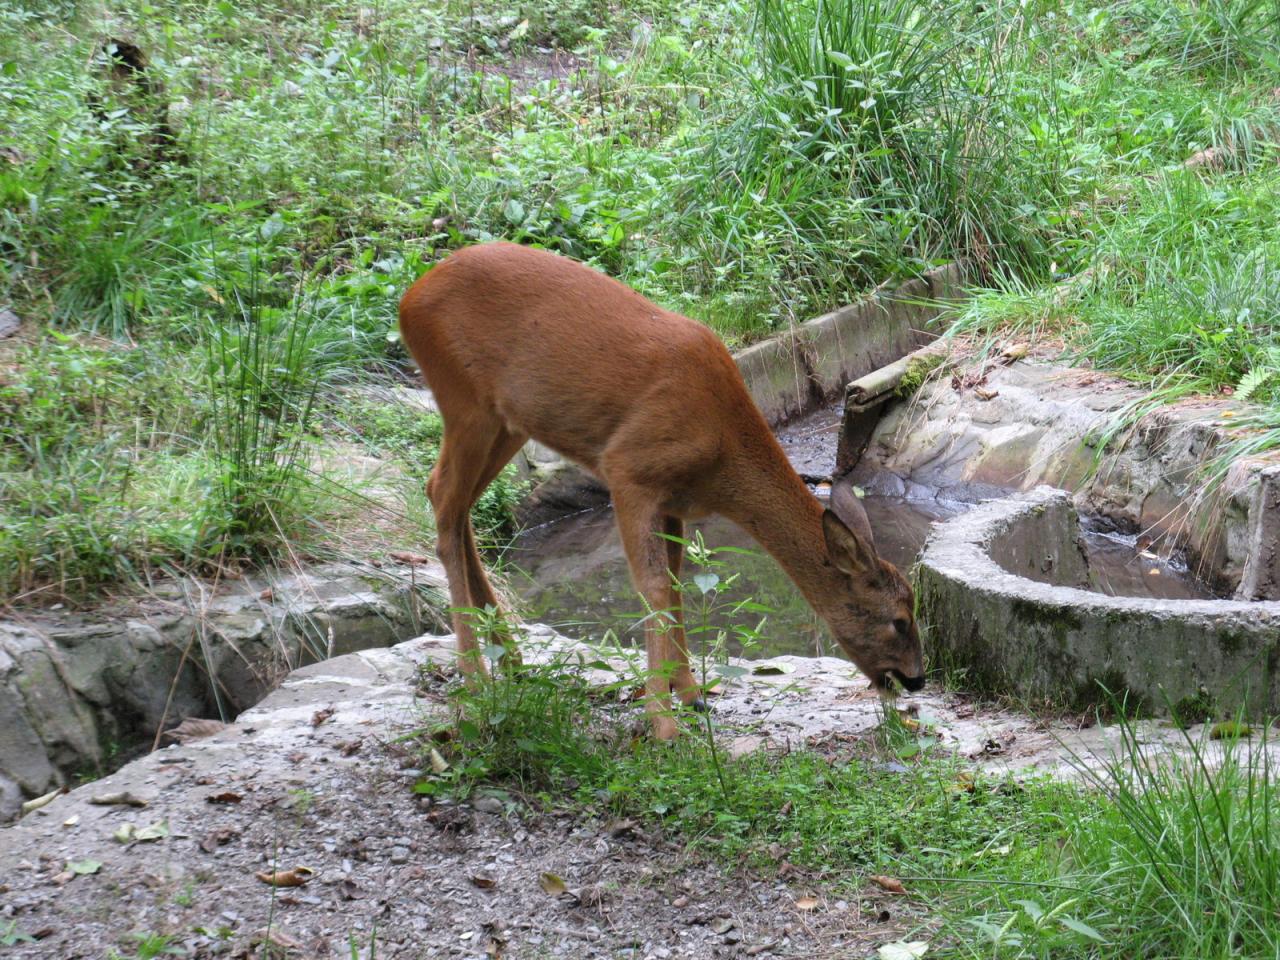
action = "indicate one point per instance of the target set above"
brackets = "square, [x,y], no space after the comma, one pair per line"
[1046,641]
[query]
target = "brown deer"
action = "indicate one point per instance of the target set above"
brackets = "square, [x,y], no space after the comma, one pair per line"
[517,343]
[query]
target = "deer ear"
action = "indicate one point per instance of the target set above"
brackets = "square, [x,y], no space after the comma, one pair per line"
[846,505]
[849,552]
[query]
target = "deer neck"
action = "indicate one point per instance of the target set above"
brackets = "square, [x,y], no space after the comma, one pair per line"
[775,506]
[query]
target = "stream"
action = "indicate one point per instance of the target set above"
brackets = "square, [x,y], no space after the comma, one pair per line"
[571,573]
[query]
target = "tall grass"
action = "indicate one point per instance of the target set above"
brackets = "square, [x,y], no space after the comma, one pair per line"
[1179,859]
[264,373]
[875,138]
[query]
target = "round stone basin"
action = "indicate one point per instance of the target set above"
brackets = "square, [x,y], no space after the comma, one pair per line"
[1003,594]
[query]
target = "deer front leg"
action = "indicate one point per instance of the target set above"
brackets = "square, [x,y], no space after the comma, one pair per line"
[639,521]
[682,680]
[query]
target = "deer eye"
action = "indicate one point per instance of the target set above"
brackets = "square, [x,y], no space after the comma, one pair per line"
[901,626]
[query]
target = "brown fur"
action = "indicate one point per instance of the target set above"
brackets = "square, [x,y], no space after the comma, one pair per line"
[518,343]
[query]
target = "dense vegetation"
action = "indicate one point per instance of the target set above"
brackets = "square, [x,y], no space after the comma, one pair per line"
[208,212]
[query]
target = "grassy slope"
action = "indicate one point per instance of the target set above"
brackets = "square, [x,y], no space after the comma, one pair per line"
[321,157]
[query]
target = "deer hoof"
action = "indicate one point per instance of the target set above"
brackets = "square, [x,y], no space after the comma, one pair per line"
[698,705]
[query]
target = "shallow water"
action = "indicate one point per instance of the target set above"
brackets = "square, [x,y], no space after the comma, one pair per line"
[572,573]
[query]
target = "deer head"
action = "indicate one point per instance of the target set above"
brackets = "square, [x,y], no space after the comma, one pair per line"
[873,618]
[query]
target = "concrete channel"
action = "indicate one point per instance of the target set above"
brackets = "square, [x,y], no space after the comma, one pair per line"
[1000,589]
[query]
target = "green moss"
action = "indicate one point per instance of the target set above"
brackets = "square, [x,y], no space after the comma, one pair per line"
[919,370]
[1198,708]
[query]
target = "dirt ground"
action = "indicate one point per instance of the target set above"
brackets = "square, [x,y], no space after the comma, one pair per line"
[313,779]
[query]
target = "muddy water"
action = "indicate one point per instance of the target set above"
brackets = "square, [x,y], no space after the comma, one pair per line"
[572,573]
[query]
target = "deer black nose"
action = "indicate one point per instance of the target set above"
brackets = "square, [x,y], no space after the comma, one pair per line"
[910,684]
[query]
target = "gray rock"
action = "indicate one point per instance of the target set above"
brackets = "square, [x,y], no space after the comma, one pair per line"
[76,689]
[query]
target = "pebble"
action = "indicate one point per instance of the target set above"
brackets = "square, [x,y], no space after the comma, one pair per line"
[399,854]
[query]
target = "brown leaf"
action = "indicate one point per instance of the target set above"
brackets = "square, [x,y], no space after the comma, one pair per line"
[483,882]
[217,838]
[348,889]
[350,747]
[294,877]
[275,939]
[267,595]
[195,728]
[226,796]
[1014,352]
[985,394]
[892,884]
[807,903]
[404,556]
[320,716]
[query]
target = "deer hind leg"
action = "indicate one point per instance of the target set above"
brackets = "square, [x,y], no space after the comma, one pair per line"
[639,520]
[471,455]
[682,680]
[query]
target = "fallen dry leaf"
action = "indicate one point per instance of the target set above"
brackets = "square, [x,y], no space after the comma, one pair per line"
[892,884]
[1015,352]
[807,903]
[275,940]
[195,728]
[152,831]
[404,556]
[294,877]
[903,950]
[985,394]
[552,884]
[320,716]
[483,882]
[227,796]
[40,801]
[438,763]
[125,798]
[217,838]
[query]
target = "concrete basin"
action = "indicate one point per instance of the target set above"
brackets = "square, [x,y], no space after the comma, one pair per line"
[1000,596]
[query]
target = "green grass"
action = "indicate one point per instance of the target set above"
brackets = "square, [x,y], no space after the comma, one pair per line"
[544,733]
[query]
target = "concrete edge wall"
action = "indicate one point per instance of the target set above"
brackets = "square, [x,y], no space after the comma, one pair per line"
[787,375]
[1060,645]
[74,694]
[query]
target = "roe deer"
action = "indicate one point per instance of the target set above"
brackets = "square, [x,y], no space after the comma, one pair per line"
[517,343]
